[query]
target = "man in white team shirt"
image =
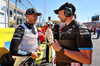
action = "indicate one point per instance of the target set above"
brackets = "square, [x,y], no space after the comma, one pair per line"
[25,41]
[50,39]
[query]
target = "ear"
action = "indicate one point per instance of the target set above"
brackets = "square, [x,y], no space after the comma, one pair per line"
[27,16]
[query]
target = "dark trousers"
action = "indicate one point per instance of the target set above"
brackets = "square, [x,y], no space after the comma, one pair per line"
[98,34]
[47,53]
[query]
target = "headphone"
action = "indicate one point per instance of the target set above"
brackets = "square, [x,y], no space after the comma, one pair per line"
[68,11]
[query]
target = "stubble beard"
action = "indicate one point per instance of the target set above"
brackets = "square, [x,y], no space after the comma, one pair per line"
[33,21]
[62,20]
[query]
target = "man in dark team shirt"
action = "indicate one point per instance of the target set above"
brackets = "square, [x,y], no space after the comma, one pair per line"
[77,32]
[25,41]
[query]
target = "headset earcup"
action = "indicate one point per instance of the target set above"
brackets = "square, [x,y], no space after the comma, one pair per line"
[68,12]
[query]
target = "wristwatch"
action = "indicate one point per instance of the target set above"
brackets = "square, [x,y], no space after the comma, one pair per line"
[62,50]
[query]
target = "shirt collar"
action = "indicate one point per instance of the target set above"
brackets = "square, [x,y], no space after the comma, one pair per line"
[70,24]
[67,26]
[29,25]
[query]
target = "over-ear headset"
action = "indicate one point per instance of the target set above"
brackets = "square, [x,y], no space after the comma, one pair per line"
[68,11]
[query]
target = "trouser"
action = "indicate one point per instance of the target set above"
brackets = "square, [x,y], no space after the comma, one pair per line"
[47,53]
[53,55]
[29,62]
[50,53]
[53,52]
[98,34]
[94,32]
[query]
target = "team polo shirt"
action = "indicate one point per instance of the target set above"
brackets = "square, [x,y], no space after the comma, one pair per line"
[79,33]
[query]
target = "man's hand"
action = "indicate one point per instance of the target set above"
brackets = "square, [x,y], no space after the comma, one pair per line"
[39,48]
[34,55]
[56,46]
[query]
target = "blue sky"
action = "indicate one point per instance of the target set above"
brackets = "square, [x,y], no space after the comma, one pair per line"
[85,9]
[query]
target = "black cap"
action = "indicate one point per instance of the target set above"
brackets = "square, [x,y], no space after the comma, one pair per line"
[32,11]
[70,5]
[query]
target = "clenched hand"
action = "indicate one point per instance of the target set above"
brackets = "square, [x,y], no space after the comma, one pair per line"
[56,46]
[34,55]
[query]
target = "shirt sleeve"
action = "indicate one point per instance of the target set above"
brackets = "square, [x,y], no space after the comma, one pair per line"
[15,42]
[83,39]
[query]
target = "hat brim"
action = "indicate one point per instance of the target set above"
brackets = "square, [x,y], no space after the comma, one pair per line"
[56,11]
[39,14]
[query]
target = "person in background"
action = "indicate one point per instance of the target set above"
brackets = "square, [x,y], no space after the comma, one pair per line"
[25,41]
[74,31]
[94,29]
[49,39]
[90,28]
[98,32]
[44,28]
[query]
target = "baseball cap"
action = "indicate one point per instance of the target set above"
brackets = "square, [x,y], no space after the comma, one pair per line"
[70,5]
[32,11]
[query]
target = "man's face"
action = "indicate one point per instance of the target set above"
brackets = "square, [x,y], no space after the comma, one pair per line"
[62,15]
[50,26]
[32,18]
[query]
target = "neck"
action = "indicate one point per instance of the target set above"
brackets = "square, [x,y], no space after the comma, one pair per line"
[69,20]
[29,23]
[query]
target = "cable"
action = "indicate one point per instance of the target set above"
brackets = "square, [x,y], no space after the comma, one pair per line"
[22,4]
[30,3]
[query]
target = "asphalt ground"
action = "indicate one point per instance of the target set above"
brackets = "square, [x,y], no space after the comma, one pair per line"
[96,51]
